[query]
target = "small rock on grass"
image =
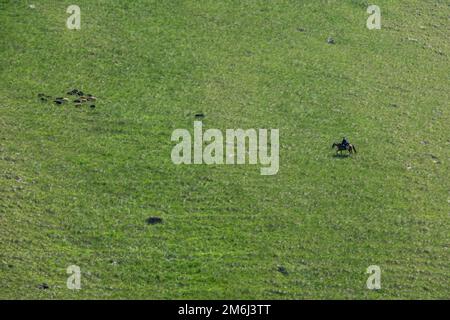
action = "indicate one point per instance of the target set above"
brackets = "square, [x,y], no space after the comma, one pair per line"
[43,286]
[330,40]
[283,270]
[435,159]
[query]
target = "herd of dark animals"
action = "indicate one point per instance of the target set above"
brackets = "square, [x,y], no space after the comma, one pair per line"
[81,98]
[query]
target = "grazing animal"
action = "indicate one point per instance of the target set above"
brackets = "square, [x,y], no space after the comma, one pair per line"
[154,220]
[340,147]
[61,100]
[73,92]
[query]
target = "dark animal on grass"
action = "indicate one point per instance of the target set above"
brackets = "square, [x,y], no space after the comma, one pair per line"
[340,147]
[154,220]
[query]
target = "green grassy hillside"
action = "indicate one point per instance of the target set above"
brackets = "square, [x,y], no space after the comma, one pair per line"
[77,184]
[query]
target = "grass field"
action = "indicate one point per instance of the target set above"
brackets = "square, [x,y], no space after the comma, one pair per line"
[77,184]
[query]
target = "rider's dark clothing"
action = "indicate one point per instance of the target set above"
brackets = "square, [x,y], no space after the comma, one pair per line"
[344,143]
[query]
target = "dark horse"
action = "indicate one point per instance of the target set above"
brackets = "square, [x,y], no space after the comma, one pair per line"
[340,147]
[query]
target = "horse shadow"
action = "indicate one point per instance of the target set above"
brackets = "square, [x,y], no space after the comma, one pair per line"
[340,156]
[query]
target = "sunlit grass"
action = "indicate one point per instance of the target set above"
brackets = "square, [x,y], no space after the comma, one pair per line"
[77,185]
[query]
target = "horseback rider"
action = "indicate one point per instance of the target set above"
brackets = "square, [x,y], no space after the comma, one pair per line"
[344,143]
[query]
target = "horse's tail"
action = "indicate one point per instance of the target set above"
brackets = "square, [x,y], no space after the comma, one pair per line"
[354,149]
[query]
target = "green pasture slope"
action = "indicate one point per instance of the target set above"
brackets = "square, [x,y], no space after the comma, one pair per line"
[77,184]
